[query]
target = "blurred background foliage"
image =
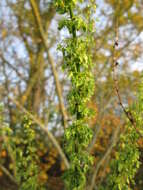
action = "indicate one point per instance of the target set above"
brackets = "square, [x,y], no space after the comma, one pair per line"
[26,75]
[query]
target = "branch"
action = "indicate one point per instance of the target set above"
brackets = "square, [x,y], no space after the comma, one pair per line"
[41,125]
[12,67]
[107,153]
[8,174]
[57,83]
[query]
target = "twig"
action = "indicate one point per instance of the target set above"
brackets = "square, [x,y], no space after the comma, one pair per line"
[107,153]
[89,149]
[44,38]
[97,130]
[104,169]
[116,86]
[45,129]
[12,67]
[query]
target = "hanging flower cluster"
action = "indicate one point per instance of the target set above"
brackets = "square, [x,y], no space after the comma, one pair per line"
[78,63]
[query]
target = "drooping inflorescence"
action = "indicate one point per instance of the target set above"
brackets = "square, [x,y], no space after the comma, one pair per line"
[77,62]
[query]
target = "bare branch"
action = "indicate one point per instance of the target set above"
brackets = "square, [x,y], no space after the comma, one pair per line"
[45,129]
[107,153]
[91,145]
[12,67]
[57,83]
[116,86]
